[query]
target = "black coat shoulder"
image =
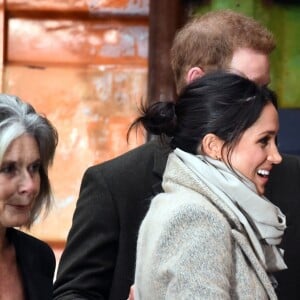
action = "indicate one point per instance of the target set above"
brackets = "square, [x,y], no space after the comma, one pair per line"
[142,165]
[138,157]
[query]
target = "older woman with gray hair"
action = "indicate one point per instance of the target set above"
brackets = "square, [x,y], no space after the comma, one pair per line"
[27,146]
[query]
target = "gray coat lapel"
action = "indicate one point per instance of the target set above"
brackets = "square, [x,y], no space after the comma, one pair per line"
[244,244]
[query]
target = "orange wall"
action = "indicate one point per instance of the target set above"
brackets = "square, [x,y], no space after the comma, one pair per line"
[84,65]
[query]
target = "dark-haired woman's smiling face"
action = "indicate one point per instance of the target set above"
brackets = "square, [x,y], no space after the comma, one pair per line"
[256,152]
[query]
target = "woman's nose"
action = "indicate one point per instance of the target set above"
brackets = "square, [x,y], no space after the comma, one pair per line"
[28,183]
[275,156]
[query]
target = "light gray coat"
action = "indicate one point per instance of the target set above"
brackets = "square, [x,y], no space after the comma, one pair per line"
[192,246]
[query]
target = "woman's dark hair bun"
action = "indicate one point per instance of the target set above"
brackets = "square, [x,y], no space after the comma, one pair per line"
[160,118]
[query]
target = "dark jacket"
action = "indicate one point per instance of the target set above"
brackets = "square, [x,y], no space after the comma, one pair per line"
[36,262]
[283,190]
[99,259]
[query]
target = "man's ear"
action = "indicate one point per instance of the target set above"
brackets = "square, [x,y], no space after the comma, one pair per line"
[212,146]
[193,73]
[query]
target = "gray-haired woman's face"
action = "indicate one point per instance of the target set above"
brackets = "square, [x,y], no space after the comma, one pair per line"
[19,181]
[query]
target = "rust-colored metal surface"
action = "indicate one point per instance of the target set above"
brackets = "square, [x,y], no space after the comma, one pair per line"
[93,6]
[84,65]
[35,41]
[91,108]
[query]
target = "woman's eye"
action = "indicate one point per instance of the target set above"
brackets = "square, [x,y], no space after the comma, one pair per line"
[264,141]
[8,169]
[35,168]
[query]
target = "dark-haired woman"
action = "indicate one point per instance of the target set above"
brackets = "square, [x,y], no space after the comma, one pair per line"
[212,234]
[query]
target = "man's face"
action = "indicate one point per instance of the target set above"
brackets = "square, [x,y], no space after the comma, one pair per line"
[252,64]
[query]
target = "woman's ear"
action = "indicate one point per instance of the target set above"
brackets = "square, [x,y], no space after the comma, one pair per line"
[193,73]
[212,146]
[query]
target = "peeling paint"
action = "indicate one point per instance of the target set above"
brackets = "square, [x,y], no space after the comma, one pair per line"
[75,41]
[92,76]
[132,6]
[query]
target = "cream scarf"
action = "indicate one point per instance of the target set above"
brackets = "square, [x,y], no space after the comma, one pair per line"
[263,221]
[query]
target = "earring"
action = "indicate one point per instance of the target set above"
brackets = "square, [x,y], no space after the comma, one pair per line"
[218,158]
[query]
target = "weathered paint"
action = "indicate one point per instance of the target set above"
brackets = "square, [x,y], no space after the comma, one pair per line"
[140,7]
[91,108]
[88,73]
[76,42]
